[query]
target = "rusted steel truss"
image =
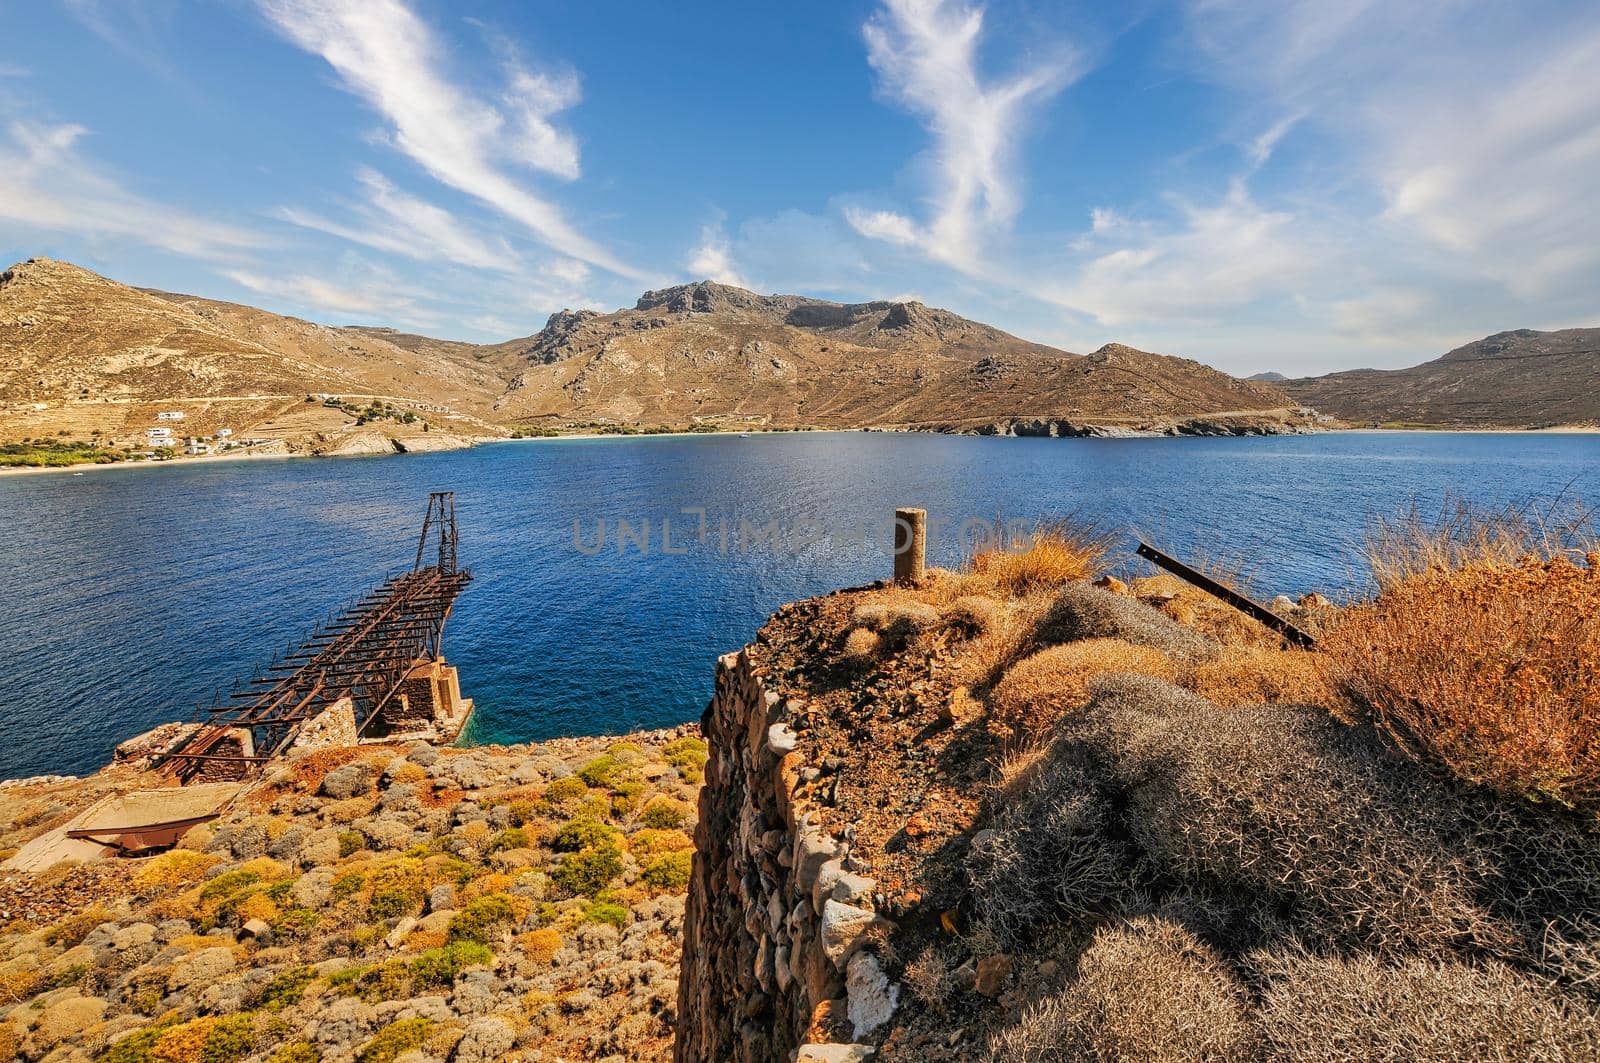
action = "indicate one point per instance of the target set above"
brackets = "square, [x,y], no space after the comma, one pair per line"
[364,654]
[1225,593]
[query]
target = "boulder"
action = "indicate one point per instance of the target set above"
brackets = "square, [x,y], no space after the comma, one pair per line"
[348,781]
[871,997]
[485,1041]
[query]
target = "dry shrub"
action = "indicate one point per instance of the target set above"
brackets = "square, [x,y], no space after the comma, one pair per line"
[861,644]
[541,945]
[1055,554]
[1194,608]
[1259,673]
[1037,691]
[1284,802]
[1490,669]
[896,616]
[1146,990]
[931,977]
[1079,611]
[1052,852]
[972,615]
[1361,1008]
[176,867]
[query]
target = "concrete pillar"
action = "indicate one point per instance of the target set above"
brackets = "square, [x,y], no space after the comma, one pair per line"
[910,544]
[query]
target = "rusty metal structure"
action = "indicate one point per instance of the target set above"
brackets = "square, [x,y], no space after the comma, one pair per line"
[365,654]
[1225,593]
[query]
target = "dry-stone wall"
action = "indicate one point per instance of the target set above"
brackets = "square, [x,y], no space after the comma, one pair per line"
[776,918]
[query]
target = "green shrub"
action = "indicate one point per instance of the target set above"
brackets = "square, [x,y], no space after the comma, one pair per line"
[664,813]
[227,884]
[397,889]
[584,833]
[601,912]
[441,967]
[296,1052]
[345,980]
[351,841]
[348,884]
[479,918]
[688,755]
[395,1041]
[601,772]
[390,981]
[286,987]
[589,871]
[669,872]
[514,838]
[564,792]
[625,797]
[230,1040]
[135,1048]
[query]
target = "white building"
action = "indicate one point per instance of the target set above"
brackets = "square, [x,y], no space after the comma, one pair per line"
[170,415]
[224,433]
[160,436]
[197,447]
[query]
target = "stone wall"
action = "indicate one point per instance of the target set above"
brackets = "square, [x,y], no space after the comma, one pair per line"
[776,920]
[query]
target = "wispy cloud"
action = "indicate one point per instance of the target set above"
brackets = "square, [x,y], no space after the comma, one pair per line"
[387,56]
[402,224]
[713,259]
[47,184]
[925,53]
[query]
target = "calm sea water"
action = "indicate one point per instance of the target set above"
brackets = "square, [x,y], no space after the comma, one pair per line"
[129,595]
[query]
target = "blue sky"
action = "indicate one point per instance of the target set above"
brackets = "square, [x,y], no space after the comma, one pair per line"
[1297,185]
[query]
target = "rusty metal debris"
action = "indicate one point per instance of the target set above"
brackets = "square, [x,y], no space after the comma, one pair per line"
[365,654]
[1227,594]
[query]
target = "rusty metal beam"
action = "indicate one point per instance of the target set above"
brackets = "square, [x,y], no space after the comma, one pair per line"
[1223,592]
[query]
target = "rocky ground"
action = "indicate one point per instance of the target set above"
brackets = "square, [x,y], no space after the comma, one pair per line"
[374,904]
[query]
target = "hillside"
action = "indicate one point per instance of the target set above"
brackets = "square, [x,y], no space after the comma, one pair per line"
[712,352]
[1514,379]
[82,356]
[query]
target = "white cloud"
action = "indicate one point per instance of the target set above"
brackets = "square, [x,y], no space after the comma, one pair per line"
[305,290]
[14,70]
[405,225]
[925,53]
[391,59]
[1477,123]
[1219,257]
[47,184]
[713,259]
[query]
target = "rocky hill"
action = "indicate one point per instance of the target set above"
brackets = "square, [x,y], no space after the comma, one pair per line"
[710,352]
[82,355]
[1517,379]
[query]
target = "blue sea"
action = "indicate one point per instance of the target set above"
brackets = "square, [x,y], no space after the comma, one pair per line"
[610,573]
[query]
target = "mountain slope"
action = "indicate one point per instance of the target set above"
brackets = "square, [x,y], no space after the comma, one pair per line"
[65,331]
[1511,379]
[709,351]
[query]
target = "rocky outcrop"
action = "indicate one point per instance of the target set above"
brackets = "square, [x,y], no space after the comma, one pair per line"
[778,920]
[1062,428]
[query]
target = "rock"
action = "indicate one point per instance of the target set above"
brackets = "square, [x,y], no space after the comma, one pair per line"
[781,740]
[527,773]
[485,1041]
[388,832]
[132,936]
[341,1025]
[321,849]
[1281,604]
[834,1053]
[850,888]
[872,997]
[1112,584]
[67,1017]
[1314,601]
[200,967]
[401,931]
[436,921]
[442,897]
[349,781]
[992,974]
[843,927]
[259,929]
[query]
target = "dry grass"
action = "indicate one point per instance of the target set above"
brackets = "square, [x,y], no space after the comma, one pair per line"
[1361,1008]
[1146,990]
[861,644]
[1038,690]
[1194,608]
[1490,668]
[1261,673]
[1062,552]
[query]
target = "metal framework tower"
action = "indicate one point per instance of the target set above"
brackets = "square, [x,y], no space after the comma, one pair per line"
[364,654]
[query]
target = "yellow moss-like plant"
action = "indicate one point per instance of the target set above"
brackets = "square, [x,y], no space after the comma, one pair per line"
[541,945]
[179,867]
[1039,690]
[1240,677]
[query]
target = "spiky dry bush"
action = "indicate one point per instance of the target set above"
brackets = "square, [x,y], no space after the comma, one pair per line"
[1146,990]
[1061,552]
[1486,666]
[973,616]
[1261,673]
[861,645]
[895,616]
[931,977]
[1285,802]
[1080,611]
[1361,1007]
[1037,691]
[1053,852]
